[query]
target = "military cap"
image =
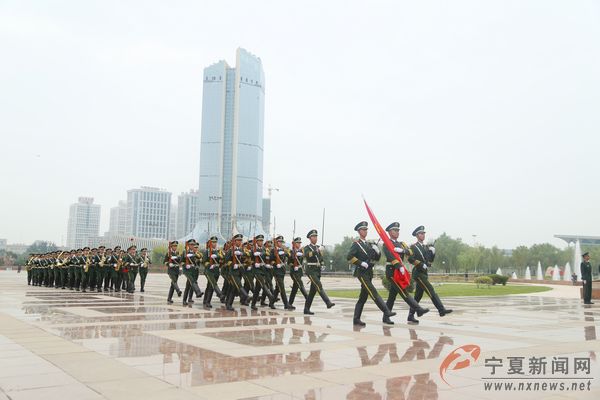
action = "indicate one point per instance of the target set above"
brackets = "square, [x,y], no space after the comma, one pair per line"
[259,237]
[585,254]
[279,238]
[133,246]
[312,232]
[109,249]
[298,240]
[144,249]
[117,247]
[418,229]
[393,225]
[190,241]
[86,248]
[361,225]
[213,239]
[174,242]
[238,236]
[101,247]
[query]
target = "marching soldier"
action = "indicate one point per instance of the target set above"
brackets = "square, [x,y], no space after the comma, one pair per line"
[212,258]
[80,260]
[314,263]
[235,261]
[109,264]
[268,271]
[280,257]
[586,277]
[403,250]
[260,266]
[144,266]
[363,255]
[295,262]
[192,259]
[172,262]
[422,257]
[101,269]
[247,271]
[29,268]
[129,267]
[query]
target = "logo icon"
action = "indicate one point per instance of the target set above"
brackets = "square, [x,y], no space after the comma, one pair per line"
[460,358]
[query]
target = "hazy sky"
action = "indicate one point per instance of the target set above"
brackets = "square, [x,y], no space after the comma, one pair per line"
[469,117]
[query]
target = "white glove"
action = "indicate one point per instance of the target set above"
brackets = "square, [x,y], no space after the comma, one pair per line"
[256,253]
[249,268]
[399,250]
[269,266]
[424,266]
[364,265]
[296,268]
[235,266]
[279,265]
[299,254]
[174,257]
[213,256]
[402,270]
[170,265]
[187,266]
[114,265]
[237,253]
[432,249]
[280,252]
[583,282]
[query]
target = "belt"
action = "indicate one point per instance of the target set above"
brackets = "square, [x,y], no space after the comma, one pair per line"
[313,264]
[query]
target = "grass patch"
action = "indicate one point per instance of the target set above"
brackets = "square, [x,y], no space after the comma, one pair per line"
[456,289]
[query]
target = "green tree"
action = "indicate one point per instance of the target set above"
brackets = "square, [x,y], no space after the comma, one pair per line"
[447,251]
[158,255]
[339,254]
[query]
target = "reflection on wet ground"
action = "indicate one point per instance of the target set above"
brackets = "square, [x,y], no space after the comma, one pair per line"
[283,354]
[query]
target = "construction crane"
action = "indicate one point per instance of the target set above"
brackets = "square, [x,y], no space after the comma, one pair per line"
[271,189]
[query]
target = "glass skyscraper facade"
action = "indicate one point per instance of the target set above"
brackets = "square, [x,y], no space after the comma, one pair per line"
[231,152]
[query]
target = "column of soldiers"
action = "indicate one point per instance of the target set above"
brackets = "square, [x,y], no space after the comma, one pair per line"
[254,271]
[98,269]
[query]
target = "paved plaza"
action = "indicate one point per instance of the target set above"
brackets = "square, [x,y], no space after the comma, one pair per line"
[61,344]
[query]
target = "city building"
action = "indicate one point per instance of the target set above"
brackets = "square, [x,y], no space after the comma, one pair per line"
[231,152]
[118,220]
[84,222]
[2,244]
[187,212]
[17,248]
[173,223]
[148,213]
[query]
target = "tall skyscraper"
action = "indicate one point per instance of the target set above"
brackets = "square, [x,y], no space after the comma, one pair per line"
[148,212]
[84,222]
[231,152]
[187,212]
[118,220]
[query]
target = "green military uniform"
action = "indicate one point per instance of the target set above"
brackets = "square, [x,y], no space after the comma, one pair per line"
[314,263]
[422,258]
[172,261]
[145,263]
[295,260]
[280,259]
[87,269]
[586,277]
[130,265]
[363,255]
[234,260]
[101,269]
[248,271]
[260,261]
[212,258]
[403,250]
[191,262]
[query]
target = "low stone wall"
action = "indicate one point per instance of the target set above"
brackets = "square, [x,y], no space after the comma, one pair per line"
[545,282]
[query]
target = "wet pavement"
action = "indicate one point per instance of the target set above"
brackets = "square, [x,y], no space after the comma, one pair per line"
[64,344]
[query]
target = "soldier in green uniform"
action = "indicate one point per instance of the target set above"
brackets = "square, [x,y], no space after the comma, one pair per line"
[29,268]
[586,277]
[212,258]
[422,258]
[101,269]
[123,271]
[280,257]
[363,255]
[403,250]
[173,261]
[129,266]
[88,267]
[259,257]
[93,269]
[295,263]
[314,263]
[144,266]
[80,260]
[235,262]
[191,262]
[247,271]
[268,273]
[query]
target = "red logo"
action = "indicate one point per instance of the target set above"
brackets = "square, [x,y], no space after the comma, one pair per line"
[460,358]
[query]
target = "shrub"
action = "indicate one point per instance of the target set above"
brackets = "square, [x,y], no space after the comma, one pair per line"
[386,284]
[499,279]
[483,280]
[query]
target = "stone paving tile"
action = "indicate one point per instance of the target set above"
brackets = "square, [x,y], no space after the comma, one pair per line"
[118,345]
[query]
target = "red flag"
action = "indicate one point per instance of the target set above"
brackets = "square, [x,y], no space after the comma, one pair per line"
[402,279]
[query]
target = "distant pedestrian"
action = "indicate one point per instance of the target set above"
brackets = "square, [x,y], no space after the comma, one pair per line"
[586,277]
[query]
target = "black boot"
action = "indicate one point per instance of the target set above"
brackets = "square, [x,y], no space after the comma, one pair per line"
[326,299]
[439,305]
[387,320]
[170,296]
[411,317]
[358,309]
[197,290]
[383,307]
